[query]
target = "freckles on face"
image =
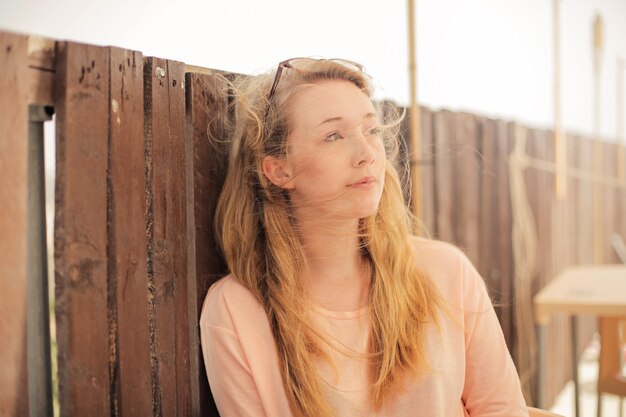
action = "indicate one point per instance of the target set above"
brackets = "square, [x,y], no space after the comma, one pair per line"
[336,156]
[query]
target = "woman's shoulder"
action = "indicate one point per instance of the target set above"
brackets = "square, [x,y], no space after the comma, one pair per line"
[447,266]
[432,253]
[226,300]
[228,286]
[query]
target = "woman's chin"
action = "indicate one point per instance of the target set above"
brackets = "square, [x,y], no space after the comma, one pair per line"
[363,210]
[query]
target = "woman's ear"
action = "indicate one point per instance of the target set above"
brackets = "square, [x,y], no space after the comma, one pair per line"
[277,171]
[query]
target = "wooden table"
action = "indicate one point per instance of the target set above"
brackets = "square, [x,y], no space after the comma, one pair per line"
[598,290]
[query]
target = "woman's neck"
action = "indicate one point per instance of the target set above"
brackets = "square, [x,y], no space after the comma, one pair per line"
[337,275]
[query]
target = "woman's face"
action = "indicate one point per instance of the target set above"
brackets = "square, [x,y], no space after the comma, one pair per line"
[335,163]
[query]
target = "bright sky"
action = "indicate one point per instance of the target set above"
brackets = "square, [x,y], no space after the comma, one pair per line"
[491,57]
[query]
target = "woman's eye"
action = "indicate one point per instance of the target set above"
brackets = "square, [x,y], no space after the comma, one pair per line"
[333,136]
[375,131]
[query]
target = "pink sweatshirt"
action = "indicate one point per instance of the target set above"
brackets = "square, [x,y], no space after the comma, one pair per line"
[471,374]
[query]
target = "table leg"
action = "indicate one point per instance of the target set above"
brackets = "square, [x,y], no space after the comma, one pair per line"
[541,369]
[574,334]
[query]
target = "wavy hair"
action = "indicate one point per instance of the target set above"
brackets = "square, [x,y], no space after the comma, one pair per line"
[263,251]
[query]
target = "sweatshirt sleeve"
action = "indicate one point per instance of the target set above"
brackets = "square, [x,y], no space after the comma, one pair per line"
[230,377]
[492,387]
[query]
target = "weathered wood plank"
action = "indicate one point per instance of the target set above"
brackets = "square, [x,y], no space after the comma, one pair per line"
[207,112]
[13,224]
[571,197]
[167,235]
[127,235]
[82,89]
[488,210]
[444,174]
[621,210]
[535,193]
[608,194]
[523,267]
[547,226]
[504,262]
[620,198]
[552,243]
[41,70]
[466,185]
[585,203]
[427,163]
[402,163]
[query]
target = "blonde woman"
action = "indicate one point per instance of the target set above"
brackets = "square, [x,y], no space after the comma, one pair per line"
[332,307]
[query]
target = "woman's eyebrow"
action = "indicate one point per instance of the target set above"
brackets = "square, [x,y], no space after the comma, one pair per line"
[332,119]
[339,118]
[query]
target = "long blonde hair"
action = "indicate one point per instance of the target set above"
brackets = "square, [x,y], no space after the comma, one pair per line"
[263,251]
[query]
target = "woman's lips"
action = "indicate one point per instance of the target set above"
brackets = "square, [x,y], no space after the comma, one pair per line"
[363,182]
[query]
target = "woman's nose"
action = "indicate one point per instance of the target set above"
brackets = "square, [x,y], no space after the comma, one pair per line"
[364,151]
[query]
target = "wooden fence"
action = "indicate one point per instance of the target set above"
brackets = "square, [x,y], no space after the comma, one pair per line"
[136,185]
[478,174]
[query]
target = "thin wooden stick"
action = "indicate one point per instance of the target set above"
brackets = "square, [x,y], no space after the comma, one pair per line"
[598,241]
[560,149]
[619,117]
[414,120]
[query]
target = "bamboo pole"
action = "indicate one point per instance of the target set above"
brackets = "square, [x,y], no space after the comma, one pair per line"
[621,140]
[598,242]
[414,120]
[560,149]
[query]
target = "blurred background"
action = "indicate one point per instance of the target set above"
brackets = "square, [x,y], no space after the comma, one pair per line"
[490,57]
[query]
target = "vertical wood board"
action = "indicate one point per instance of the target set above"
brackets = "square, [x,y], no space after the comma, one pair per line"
[127,235]
[207,112]
[13,224]
[444,174]
[81,252]
[427,163]
[167,235]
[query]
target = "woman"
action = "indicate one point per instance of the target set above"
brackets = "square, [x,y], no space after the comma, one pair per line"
[332,307]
